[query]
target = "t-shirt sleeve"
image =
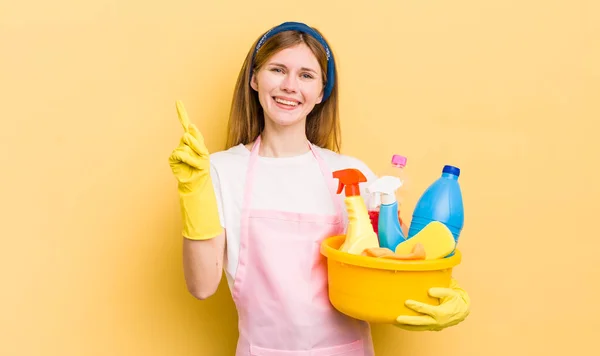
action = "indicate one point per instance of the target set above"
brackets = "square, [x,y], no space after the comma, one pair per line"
[371,177]
[214,175]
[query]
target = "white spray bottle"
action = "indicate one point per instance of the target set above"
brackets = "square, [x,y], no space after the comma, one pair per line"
[388,226]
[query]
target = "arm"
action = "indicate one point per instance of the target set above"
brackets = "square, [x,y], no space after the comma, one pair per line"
[203,259]
[203,232]
[203,265]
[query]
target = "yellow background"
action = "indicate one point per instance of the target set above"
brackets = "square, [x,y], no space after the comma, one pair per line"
[91,252]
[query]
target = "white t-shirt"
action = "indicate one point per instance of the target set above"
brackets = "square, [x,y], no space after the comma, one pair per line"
[293,184]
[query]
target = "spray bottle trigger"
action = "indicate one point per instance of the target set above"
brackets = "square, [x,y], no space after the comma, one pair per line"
[385,186]
[350,179]
[340,187]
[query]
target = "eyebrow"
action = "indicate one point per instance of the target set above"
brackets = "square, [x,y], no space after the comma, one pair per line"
[303,68]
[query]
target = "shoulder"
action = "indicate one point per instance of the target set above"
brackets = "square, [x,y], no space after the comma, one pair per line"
[337,161]
[229,164]
[230,157]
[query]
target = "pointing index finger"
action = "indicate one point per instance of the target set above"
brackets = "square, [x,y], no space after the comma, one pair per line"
[183,117]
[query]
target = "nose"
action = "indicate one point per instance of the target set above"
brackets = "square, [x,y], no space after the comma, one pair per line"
[289,83]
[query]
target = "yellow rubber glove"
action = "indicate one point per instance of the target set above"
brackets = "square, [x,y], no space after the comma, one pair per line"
[191,166]
[454,307]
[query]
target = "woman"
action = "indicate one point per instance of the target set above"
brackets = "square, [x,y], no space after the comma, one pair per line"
[261,208]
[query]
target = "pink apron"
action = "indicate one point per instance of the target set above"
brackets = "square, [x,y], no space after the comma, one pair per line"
[280,288]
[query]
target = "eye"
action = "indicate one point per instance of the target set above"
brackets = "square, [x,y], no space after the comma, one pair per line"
[276,70]
[307,76]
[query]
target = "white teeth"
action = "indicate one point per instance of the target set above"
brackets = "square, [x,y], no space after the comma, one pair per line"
[291,103]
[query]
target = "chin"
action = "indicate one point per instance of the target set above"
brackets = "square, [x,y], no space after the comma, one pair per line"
[285,120]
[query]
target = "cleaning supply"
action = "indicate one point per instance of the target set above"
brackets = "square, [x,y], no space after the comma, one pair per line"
[442,201]
[377,252]
[375,289]
[191,167]
[395,169]
[389,230]
[417,253]
[360,234]
[436,238]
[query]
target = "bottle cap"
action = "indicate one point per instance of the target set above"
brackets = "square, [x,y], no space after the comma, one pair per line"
[451,170]
[398,160]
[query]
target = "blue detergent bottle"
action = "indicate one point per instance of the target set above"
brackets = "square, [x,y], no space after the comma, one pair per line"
[442,201]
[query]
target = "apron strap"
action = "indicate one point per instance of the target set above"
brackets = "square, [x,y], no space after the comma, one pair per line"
[331,183]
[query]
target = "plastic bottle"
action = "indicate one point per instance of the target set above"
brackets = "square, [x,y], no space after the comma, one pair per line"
[442,201]
[395,169]
[389,230]
[360,234]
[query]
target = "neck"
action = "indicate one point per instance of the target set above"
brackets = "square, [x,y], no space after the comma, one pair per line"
[283,141]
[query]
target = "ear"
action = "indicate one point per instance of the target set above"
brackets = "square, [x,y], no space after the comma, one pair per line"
[320,98]
[253,82]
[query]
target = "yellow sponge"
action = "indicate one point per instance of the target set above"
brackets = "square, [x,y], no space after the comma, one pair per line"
[436,238]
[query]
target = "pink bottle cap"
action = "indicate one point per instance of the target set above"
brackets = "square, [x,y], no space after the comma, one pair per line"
[398,160]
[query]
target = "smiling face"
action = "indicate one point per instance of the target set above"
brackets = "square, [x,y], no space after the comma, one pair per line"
[289,85]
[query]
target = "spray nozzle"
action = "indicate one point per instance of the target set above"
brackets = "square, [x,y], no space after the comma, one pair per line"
[349,178]
[386,186]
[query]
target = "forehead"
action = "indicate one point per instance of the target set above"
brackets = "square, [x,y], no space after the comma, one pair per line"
[296,57]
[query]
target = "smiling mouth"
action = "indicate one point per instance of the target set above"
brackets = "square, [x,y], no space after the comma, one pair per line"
[289,103]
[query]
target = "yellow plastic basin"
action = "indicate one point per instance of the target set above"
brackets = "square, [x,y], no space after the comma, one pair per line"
[375,289]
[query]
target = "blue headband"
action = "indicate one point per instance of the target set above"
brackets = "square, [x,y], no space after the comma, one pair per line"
[298,26]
